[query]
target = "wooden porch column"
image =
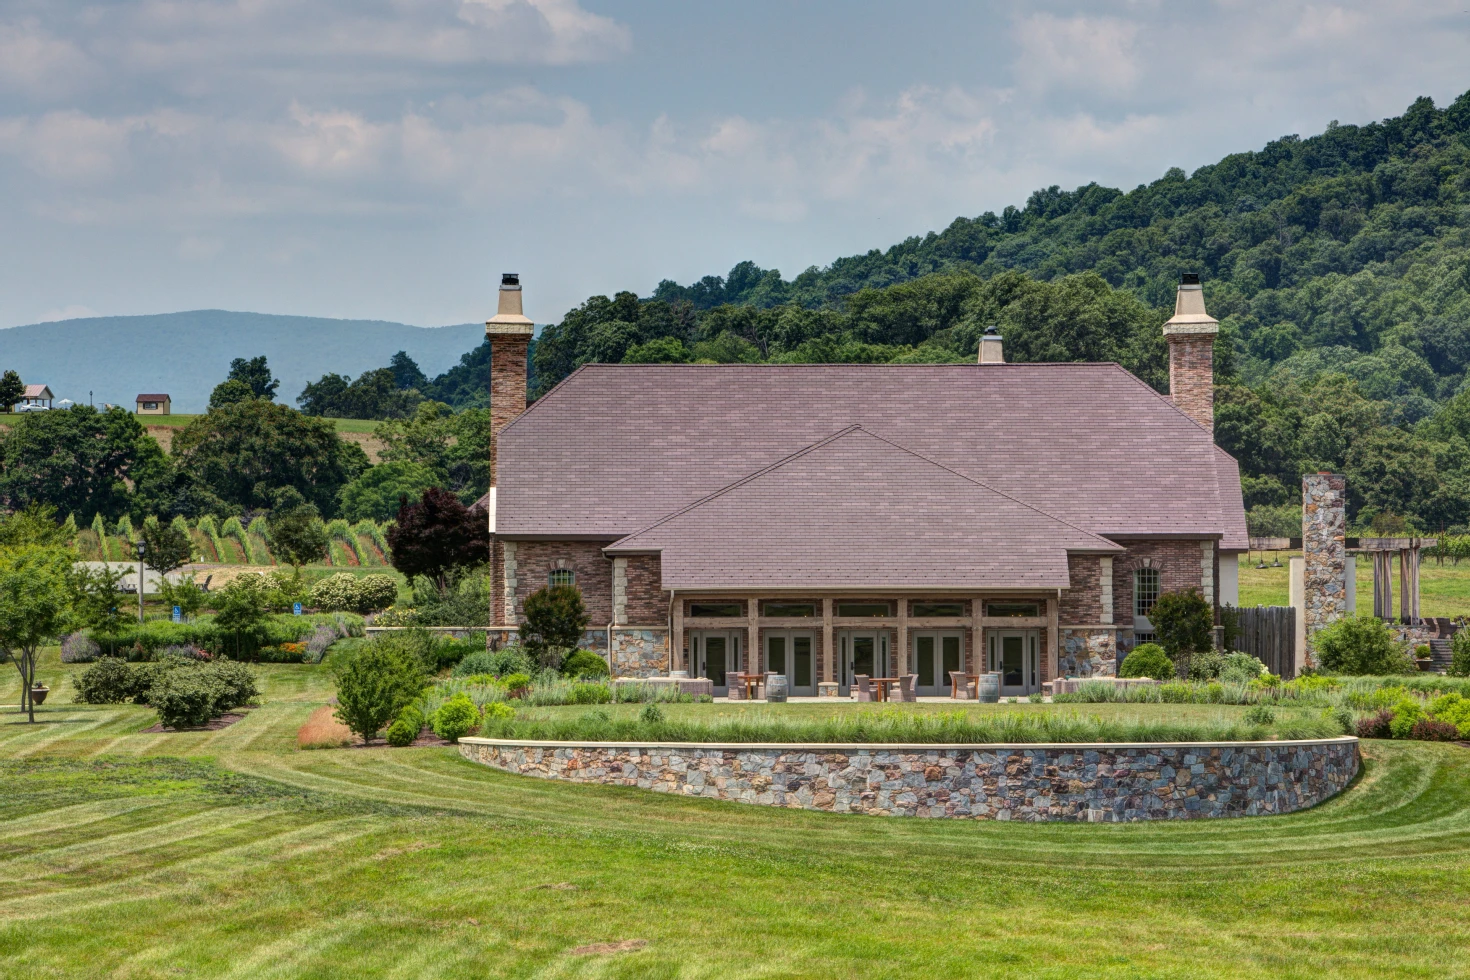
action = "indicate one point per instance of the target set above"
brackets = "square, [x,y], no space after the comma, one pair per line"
[901,655]
[676,636]
[753,644]
[1404,598]
[828,666]
[1053,637]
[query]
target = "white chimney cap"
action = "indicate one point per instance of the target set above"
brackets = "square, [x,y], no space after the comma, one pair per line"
[1189,309]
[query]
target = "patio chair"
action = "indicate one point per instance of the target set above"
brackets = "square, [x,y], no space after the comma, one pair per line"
[862,688]
[960,686]
[906,690]
[735,686]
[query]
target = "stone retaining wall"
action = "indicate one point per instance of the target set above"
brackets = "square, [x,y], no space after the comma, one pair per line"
[1085,782]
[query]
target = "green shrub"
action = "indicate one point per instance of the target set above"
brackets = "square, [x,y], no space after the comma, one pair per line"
[499,711]
[1406,713]
[516,682]
[501,663]
[584,663]
[1148,660]
[1176,693]
[1241,668]
[1206,665]
[1259,714]
[455,718]
[185,698]
[1184,622]
[374,682]
[555,621]
[651,714]
[236,683]
[1360,645]
[108,681]
[1454,709]
[376,591]
[406,727]
[1460,654]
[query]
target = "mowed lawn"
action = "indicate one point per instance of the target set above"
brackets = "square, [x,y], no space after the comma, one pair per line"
[1444,590]
[233,854]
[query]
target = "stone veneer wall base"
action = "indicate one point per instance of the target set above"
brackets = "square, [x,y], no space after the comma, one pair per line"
[1095,782]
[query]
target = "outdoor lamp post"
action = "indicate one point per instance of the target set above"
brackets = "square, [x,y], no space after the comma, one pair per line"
[141,548]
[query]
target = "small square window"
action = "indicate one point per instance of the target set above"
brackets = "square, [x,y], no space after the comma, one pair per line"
[561,576]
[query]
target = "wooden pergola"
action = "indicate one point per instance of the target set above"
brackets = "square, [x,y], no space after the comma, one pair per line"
[1383,550]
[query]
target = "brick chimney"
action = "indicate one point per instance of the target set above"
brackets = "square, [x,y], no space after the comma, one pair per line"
[509,333]
[1191,336]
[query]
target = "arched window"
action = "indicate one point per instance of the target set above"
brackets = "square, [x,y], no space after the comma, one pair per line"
[561,576]
[1145,591]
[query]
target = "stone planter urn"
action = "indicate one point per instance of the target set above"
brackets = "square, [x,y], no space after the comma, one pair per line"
[39,692]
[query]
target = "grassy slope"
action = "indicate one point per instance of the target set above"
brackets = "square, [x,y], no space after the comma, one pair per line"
[1444,589]
[237,855]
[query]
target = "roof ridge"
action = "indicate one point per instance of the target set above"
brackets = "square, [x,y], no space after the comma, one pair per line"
[848,430]
[981,483]
[741,482]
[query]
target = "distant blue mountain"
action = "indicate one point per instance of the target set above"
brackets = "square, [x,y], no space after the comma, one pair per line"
[186,354]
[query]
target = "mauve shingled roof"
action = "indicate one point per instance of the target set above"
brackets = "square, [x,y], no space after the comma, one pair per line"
[615,447]
[857,511]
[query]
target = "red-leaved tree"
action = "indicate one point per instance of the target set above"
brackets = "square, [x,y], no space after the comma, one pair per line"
[438,535]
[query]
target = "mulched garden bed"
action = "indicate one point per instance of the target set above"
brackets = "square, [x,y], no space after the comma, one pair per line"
[215,724]
[426,737]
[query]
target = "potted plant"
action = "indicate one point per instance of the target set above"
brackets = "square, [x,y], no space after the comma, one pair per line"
[39,692]
[1423,656]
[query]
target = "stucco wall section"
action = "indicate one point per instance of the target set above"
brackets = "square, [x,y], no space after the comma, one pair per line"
[1097,783]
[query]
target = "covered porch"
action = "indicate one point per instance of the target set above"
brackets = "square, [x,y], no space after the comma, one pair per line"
[822,643]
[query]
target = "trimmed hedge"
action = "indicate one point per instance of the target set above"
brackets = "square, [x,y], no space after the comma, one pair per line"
[144,641]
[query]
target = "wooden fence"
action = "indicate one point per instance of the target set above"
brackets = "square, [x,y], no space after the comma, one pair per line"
[1268,633]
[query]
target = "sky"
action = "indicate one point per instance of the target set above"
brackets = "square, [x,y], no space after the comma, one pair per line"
[388,159]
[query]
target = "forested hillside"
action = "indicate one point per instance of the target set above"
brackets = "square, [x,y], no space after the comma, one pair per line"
[1338,264]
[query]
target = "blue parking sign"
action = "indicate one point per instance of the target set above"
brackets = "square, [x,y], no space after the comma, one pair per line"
[178,615]
[296,608]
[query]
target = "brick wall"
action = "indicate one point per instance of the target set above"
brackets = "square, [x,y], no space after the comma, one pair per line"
[535,561]
[1081,603]
[648,603]
[1178,563]
[1192,376]
[507,386]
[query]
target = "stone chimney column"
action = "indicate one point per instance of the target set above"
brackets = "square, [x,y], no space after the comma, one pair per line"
[991,351]
[1191,336]
[1324,552]
[509,333]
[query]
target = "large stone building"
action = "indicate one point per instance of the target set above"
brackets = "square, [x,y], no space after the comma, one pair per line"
[829,520]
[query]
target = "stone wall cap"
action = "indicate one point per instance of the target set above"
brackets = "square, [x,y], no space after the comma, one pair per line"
[898,746]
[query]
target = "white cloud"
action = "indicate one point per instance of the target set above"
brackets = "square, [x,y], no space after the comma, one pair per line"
[1088,53]
[34,60]
[556,32]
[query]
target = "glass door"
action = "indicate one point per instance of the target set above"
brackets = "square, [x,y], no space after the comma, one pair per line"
[1015,654]
[792,654]
[715,654]
[862,652]
[936,653]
